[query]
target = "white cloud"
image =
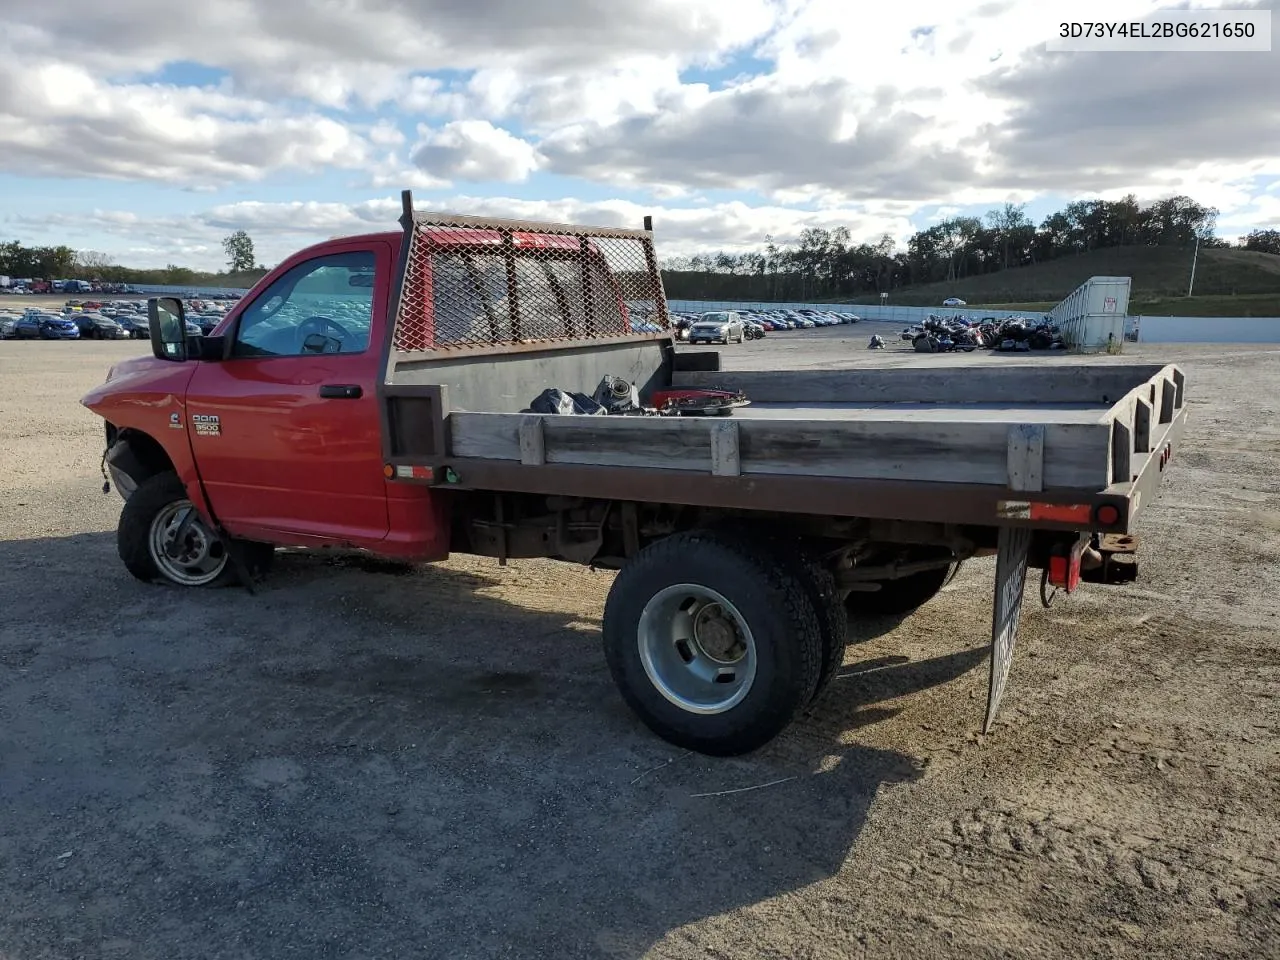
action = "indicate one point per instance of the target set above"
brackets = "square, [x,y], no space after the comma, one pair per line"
[474,150]
[361,49]
[844,116]
[278,229]
[58,120]
[386,134]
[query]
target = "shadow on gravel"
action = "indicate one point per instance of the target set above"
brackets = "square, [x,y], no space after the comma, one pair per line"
[348,764]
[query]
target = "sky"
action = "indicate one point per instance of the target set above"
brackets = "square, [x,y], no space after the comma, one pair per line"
[149,130]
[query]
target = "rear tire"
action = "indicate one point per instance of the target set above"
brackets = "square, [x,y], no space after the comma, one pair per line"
[152,514]
[819,585]
[715,648]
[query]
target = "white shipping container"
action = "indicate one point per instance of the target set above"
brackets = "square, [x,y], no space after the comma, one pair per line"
[1092,317]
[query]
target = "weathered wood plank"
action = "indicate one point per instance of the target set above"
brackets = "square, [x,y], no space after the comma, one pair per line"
[1025,456]
[1121,452]
[1168,398]
[725,458]
[667,442]
[1141,426]
[1024,384]
[533,447]
[1074,455]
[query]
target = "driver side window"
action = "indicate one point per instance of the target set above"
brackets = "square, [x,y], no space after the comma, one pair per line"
[323,305]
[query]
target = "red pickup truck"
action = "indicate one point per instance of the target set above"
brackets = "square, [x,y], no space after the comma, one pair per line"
[513,389]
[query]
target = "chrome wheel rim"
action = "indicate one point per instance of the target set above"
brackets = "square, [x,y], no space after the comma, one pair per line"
[697,649]
[198,559]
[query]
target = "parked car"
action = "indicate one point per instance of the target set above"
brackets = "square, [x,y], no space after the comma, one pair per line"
[135,326]
[54,327]
[95,326]
[721,326]
[9,328]
[207,321]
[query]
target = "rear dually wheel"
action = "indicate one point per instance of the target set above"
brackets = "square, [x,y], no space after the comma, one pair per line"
[714,647]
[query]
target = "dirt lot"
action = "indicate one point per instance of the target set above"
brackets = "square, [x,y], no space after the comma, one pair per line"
[354,765]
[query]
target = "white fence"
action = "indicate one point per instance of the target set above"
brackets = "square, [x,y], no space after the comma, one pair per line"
[1206,329]
[1093,315]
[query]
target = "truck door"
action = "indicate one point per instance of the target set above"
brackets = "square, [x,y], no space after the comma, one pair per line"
[285,431]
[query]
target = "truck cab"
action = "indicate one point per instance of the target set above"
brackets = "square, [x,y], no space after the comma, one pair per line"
[270,424]
[270,430]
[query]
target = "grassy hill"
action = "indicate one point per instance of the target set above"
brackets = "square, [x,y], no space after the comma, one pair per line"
[1229,283]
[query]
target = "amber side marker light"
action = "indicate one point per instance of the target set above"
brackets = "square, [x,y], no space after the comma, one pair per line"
[388,471]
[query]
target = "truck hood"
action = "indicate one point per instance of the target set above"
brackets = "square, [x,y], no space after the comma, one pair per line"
[139,384]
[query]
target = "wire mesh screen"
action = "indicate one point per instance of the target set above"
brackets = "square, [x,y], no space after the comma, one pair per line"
[472,283]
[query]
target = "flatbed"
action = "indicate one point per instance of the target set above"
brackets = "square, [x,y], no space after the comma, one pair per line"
[406,427]
[1094,440]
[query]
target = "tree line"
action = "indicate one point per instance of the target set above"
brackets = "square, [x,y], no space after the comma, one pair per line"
[64,263]
[828,264]
[822,264]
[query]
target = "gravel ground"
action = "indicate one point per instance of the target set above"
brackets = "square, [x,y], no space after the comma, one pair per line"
[351,764]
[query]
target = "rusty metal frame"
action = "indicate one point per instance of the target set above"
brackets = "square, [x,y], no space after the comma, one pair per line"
[952,503]
[532,346]
[418,226]
[531,226]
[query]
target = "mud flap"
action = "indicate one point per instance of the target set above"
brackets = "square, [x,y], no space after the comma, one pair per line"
[1011,578]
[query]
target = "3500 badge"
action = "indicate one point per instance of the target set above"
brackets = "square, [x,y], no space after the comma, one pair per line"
[207,425]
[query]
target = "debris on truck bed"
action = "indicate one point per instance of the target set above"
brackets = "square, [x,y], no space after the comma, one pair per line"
[691,402]
[618,396]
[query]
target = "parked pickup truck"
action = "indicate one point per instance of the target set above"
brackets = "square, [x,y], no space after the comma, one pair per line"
[376,393]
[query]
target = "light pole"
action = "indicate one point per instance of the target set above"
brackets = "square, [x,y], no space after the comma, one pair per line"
[1194,256]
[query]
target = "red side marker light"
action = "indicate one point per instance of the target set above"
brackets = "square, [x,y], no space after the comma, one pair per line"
[1059,512]
[1107,515]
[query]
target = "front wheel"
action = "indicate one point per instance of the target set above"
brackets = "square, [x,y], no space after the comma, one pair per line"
[160,536]
[712,645]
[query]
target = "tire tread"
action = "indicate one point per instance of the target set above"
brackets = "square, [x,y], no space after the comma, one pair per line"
[753,563]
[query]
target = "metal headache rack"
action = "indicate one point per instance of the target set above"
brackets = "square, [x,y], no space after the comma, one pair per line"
[479,284]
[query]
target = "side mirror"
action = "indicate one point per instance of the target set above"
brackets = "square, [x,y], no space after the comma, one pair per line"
[168,328]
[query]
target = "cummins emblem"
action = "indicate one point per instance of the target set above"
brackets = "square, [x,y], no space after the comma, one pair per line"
[175,421]
[207,425]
